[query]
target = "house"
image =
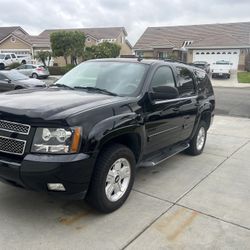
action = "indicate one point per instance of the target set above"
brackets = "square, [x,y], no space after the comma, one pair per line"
[206,42]
[94,36]
[16,40]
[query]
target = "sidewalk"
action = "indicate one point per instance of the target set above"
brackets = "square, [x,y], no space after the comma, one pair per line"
[187,202]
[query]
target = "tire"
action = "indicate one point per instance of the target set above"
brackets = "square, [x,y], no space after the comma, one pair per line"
[103,194]
[34,75]
[195,148]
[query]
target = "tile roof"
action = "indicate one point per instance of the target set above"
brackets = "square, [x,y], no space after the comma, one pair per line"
[5,31]
[98,33]
[204,35]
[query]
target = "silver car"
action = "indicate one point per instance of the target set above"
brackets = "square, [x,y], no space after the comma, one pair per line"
[34,71]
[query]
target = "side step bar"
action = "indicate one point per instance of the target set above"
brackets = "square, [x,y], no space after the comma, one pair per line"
[163,155]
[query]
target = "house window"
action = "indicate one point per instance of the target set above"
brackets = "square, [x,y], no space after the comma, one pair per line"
[235,53]
[218,53]
[229,53]
[212,53]
[223,53]
[88,40]
[208,53]
[197,53]
[202,53]
[13,39]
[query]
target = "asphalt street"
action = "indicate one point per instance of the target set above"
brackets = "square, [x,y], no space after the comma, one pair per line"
[232,101]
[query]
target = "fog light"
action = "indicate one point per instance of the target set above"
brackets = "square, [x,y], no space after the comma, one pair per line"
[56,187]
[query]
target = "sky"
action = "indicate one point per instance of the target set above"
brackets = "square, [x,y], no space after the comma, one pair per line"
[36,15]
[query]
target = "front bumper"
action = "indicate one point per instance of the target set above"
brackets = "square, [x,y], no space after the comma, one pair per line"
[34,172]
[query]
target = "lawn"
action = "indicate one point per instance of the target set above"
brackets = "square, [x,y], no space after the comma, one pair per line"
[244,77]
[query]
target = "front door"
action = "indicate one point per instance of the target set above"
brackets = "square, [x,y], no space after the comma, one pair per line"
[162,119]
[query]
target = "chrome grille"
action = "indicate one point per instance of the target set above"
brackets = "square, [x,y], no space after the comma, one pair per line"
[14,127]
[12,146]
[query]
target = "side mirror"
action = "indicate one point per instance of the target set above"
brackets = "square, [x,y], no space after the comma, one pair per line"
[164,93]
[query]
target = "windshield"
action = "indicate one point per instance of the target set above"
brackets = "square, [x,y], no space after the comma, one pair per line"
[2,56]
[14,75]
[120,78]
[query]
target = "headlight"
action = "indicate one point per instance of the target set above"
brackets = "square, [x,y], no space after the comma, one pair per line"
[56,140]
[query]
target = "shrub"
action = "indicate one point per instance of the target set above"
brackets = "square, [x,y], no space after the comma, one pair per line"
[56,70]
[14,65]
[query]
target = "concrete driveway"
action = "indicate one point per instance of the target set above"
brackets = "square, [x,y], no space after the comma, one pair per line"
[225,82]
[187,202]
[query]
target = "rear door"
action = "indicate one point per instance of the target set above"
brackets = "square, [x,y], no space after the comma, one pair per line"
[188,100]
[162,119]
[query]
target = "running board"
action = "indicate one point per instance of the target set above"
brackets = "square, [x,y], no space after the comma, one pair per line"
[163,155]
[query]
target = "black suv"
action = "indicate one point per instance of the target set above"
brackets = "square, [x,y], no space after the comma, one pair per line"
[85,135]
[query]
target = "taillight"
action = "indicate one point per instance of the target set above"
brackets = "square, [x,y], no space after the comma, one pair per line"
[40,69]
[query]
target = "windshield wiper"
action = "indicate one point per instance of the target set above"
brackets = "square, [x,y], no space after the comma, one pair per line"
[97,90]
[60,85]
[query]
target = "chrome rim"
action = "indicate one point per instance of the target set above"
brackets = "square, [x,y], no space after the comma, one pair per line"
[118,179]
[201,138]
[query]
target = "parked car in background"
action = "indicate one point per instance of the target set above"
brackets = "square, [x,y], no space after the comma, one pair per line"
[221,68]
[203,65]
[6,59]
[34,71]
[12,79]
[85,135]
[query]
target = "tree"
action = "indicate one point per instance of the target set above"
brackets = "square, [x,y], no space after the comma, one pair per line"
[44,56]
[68,43]
[102,50]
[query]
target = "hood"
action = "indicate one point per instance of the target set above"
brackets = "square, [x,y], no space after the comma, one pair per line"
[51,103]
[32,83]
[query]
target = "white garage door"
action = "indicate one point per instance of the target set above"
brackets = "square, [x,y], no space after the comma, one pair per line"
[211,56]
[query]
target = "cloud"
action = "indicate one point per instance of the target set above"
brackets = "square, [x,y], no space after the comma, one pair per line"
[35,16]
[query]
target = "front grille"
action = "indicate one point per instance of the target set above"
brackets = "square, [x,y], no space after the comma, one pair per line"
[12,146]
[14,127]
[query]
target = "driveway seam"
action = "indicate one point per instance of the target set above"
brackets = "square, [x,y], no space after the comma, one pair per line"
[241,137]
[206,176]
[214,217]
[176,202]
[148,226]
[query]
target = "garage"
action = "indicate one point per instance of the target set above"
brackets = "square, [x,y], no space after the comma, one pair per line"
[211,56]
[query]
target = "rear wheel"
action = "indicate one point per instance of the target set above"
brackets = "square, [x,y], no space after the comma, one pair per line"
[198,142]
[112,179]
[34,75]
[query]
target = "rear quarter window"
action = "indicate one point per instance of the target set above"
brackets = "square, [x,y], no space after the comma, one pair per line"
[203,82]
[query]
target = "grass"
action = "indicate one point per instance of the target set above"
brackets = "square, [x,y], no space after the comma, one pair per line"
[244,77]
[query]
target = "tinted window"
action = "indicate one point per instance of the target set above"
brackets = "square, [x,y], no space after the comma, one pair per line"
[13,55]
[29,66]
[21,67]
[186,81]
[163,77]
[7,57]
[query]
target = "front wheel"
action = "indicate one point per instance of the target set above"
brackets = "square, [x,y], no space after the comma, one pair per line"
[198,142]
[112,179]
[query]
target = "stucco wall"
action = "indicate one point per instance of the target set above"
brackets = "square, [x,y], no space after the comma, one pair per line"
[18,44]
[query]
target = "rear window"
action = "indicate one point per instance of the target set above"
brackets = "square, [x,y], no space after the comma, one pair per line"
[222,63]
